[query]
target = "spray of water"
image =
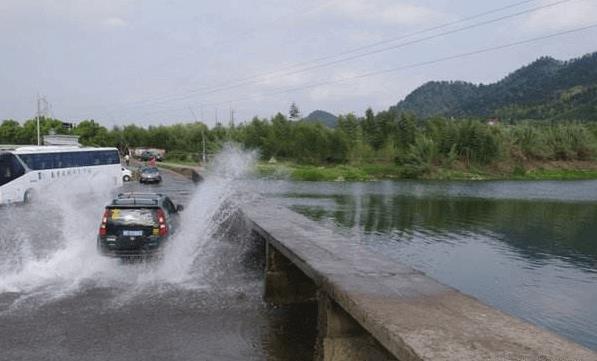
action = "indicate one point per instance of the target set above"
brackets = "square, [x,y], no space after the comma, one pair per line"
[48,249]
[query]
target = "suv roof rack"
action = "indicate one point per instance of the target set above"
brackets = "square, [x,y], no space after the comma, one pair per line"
[139,195]
[135,202]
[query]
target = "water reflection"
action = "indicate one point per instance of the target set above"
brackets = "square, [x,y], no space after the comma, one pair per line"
[528,248]
[537,229]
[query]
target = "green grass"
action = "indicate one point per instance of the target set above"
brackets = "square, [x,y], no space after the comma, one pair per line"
[558,174]
[369,172]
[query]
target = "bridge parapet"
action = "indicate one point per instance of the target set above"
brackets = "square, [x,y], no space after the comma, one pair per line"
[372,308]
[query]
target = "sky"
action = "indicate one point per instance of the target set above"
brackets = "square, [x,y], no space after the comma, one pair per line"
[153,62]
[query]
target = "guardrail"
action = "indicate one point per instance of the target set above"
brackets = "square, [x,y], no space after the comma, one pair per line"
[372,308]
[193,173]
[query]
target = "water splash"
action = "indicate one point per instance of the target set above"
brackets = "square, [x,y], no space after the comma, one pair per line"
[48,249]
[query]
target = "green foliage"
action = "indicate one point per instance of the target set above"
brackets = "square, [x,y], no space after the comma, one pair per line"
[376,145]
[570,142]
[12,132]
[407,128]
[417,161]
[545,89]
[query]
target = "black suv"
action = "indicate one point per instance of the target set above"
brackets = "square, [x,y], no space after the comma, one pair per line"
[137,224]
[147,155]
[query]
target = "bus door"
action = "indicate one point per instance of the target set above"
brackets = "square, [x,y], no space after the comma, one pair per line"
[10,170]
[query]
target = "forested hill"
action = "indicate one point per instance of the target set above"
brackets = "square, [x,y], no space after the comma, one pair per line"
[545,89]
[323,117]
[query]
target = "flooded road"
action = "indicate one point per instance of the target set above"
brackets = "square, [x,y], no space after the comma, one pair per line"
[59,300]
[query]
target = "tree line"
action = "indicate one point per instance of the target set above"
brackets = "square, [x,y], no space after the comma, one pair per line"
[416,145]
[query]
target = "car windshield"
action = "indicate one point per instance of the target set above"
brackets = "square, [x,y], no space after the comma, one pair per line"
[132,216]
[150,170]
[10,168]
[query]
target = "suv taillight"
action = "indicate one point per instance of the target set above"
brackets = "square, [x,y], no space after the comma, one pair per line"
[103,229]
[162,222]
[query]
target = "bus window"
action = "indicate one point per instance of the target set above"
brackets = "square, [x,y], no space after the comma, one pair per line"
[113,157]
[10,168]
[96,159]
[28,159]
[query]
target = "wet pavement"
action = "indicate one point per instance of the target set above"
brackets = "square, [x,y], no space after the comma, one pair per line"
[60,301]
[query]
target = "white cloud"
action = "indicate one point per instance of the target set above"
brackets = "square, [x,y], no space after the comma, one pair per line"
[350,90]
[278,80]
[115,22]
[564,16]
[88,12]
[386,11]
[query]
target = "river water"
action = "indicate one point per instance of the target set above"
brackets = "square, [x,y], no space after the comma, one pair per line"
[527,248]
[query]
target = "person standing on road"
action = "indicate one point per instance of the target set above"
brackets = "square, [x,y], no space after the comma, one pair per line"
[151,162]
[127,159]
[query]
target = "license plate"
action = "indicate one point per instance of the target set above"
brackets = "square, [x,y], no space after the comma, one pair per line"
[132,233]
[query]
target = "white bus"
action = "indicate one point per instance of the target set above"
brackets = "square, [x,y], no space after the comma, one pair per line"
[25,170]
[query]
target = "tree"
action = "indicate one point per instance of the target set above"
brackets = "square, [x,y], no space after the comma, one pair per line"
[407,128]
[294,113]
[9,132]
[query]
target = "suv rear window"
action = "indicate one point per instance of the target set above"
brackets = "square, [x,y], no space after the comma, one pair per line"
[132,216]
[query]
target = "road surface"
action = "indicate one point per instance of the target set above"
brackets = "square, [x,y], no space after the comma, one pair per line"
[60,301]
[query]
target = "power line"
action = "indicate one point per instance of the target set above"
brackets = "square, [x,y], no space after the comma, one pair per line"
[248,80]
[247,33]
[394,47]
[413,65]
[243,81]
[408,66]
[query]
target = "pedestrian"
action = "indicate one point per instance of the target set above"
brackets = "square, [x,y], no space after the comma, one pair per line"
[127,159]
[151,162]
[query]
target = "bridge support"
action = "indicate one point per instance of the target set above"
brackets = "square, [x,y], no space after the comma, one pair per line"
[285,283]
[341,338]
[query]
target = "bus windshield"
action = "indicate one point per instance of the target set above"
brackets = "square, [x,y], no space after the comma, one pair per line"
[10,168]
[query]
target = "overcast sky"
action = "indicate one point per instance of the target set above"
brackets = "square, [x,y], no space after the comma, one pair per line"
[152,61]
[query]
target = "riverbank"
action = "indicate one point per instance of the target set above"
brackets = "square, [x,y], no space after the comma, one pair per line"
[576,170]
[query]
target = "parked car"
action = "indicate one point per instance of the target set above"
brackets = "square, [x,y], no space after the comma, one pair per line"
[137,224]
[127,175]
[147,155]
[150,175]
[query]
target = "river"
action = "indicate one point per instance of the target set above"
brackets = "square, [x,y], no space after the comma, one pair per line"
[528,248]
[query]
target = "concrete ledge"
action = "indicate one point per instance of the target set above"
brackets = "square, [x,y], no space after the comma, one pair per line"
[191,173]
[411,315]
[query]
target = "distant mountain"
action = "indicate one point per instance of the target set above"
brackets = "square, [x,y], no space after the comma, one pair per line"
[323,117]
[545,89]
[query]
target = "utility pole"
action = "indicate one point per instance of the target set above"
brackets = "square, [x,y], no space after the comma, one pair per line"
[231,115]
[45,112]
[203,155]
[37,120]
[216,115]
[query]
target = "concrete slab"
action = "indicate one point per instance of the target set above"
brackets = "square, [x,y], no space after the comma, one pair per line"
[413,316]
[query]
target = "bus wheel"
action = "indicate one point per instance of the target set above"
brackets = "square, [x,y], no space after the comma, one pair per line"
[29,195]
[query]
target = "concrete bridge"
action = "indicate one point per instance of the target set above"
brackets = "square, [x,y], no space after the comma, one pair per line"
[371,308]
